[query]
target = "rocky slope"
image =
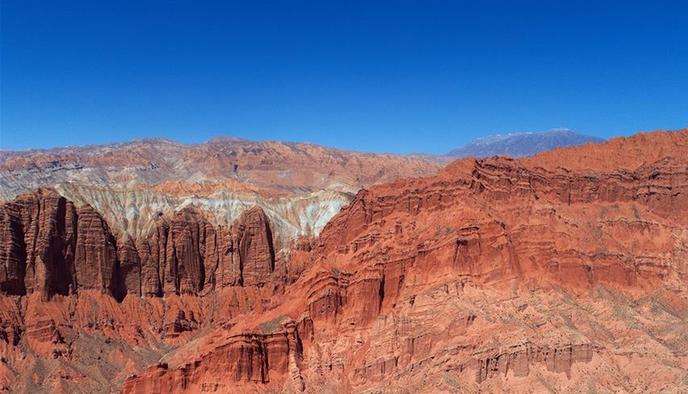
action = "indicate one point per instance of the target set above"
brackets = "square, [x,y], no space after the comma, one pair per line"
[542,274]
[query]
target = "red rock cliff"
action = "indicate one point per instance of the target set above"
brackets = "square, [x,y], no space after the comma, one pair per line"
[496,275]
[51,247]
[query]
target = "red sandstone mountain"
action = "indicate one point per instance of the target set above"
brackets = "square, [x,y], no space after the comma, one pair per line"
[564,272]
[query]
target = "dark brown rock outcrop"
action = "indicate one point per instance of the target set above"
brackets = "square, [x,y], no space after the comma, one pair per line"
[129,267]
[95,260]
[252,247]
[38,244]
[51,247]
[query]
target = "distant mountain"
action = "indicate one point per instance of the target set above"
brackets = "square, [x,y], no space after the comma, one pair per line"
[522,144]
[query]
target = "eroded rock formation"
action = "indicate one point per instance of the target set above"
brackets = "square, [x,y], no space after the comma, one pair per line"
[39,244]
[51,247]
[494,275]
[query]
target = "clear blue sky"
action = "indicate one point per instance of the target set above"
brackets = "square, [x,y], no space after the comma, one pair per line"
[397,76]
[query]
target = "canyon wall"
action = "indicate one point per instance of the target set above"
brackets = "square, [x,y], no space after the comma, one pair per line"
[50,247]
[493,275]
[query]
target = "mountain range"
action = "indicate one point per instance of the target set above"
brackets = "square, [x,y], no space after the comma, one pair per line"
[240,266]
[522,144]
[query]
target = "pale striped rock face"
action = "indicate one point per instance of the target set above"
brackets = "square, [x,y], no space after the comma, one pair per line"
[299,186]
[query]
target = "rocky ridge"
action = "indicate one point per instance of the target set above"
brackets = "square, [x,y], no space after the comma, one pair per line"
[493,275]
[50,247]
[299,186]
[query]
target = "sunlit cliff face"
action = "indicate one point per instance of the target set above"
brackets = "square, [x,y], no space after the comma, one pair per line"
[563,272]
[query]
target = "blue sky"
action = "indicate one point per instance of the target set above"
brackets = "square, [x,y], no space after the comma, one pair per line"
[397,76]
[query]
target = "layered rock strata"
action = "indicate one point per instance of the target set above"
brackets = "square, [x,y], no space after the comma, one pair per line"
[495,275]
[50,247]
